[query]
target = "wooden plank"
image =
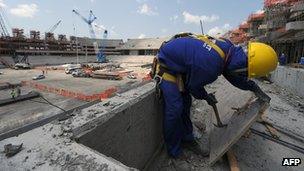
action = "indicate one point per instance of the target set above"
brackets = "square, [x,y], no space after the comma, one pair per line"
[272,131]
[223,138]
[232,161]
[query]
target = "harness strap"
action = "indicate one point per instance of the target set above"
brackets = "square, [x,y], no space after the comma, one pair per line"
[162,71]
[212,44]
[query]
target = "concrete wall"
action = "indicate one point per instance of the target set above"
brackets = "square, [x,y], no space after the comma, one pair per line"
[296,25]
[290,78]
[133,52]
[132,135]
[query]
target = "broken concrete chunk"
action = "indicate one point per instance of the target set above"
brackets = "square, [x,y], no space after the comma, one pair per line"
[66,128]
[60,133]
[40,163]
[107,103]
[25,159]
[11,150]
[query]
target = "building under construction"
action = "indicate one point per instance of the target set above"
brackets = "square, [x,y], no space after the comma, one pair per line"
[49,45]
[281,24]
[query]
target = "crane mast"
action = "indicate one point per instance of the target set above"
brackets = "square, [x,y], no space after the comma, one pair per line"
[100,55]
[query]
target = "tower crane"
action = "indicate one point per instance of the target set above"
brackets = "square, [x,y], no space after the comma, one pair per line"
[90,20]
[19,62]
[51,30]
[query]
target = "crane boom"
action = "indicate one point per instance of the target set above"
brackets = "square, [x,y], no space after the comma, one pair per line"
[4,31]
[90,20]
[100,55]
[54,27]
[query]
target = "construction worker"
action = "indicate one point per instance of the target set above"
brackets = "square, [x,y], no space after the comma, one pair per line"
[188,62]
[282,59]
[18,91]
[13,93]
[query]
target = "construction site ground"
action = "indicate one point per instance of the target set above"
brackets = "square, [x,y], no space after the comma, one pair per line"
[54,150]
[253,152]
[50,148]
[19,114]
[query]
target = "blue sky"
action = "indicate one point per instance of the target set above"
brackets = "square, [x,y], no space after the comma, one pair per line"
[129,18]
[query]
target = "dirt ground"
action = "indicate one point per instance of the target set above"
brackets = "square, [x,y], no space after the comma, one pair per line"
[253,152]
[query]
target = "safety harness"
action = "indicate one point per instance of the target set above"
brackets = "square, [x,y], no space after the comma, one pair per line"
[161,72]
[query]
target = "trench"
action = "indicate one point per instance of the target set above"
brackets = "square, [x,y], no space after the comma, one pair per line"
[133,133]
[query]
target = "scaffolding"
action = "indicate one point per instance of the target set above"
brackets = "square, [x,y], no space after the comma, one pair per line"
[34,45]
[34,35]
[18,33]
[291,41]
[281,25]
[255,21]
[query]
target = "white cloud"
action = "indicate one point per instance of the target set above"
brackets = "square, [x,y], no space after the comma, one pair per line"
[48,11]
[190,18]
[174,18]
[244,22]
[141,1]
[113,33]
[2,4]
[219,31]
[164,30]
[259,11]
[25,10]
[141,36]
[145,9]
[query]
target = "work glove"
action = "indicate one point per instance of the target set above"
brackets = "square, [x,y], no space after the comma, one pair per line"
[261,95]
[211,100]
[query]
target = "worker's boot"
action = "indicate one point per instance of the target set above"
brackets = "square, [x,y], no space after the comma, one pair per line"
[180,163]
[196,148]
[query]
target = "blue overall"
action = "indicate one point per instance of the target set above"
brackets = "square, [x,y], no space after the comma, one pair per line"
[282,60]
[201,66]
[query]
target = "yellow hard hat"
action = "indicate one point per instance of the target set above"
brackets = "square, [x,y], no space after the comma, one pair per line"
[262,59]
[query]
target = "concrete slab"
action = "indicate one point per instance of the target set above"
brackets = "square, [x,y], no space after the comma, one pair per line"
[46,148]
[16,115]
[222,139]
[28,96]
[289,78]
[16,129]
[258,153]
[50,147]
